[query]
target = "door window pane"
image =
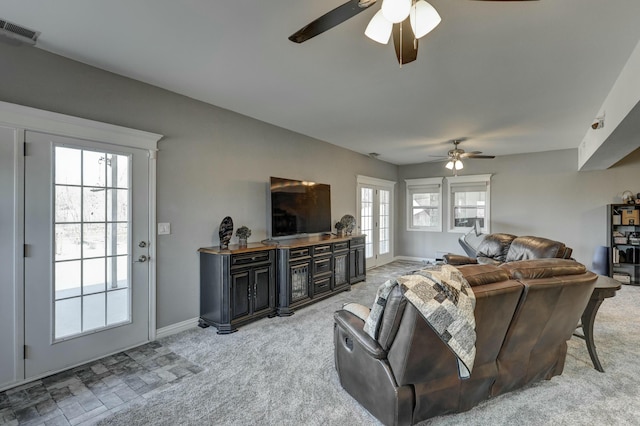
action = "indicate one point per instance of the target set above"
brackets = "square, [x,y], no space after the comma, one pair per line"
[118,205]
[68,241]
[93,311]
[93,240]
[68,276]
[68,319]
[383,220]
[68,204]
[68,166]
[93,168]
[93,204]
[91,280]
[366,217]
[93,276]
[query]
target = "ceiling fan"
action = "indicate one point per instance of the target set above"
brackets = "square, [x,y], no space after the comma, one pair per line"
[455,156]
[406,27]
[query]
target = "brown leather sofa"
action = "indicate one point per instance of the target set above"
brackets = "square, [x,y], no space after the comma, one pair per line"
[525,312]
[500,248]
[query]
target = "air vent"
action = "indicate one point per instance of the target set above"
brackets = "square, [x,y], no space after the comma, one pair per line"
[16,34]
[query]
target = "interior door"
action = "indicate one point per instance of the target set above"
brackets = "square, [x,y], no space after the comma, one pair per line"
[375,212]
[86,251]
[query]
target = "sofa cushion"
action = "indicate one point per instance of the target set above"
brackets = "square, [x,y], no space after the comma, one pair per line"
[524,248]
[372,323]
[391,317]
[543,268]
[483,274]
[495,247]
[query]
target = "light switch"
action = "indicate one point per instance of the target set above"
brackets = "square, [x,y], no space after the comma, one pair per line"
[164,228]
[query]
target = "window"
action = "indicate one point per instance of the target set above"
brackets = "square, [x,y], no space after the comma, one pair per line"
[469,200]
[424,204]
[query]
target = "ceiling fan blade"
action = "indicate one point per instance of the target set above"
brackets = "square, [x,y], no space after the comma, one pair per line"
[480,156]
[506,0]
[405,42]
[331,19]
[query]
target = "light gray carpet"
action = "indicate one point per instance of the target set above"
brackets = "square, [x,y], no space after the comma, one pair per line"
[280,371]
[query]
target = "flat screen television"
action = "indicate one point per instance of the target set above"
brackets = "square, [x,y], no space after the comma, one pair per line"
[299,207]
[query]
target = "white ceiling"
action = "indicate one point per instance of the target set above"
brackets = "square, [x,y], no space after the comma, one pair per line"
[513,77]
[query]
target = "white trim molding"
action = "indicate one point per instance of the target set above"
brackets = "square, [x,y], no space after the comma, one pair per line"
[374,181]
[177,328]
[22,119]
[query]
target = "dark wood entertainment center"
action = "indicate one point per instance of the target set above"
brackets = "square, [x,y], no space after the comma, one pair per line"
[242,284]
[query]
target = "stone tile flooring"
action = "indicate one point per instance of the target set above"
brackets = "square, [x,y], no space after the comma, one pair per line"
[91,392]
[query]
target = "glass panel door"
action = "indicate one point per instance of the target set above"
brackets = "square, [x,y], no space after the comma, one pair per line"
[366,219]
[86,268]
[384,212]
[376,219]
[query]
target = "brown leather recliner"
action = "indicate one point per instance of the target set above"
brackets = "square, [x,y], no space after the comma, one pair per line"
[525,312]
[500,248]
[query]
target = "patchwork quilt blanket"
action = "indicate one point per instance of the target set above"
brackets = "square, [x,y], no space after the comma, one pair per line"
[447,302]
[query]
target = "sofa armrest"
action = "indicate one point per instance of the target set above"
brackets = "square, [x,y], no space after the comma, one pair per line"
[456,259]
[353,326]
[358,310]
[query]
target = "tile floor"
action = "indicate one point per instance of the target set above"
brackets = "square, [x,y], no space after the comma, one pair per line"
[91,392]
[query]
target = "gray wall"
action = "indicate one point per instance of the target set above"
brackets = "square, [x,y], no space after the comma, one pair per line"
[215,163]
[212,162]
[532,194]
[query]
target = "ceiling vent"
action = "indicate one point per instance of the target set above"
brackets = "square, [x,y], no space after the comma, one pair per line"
[16,35]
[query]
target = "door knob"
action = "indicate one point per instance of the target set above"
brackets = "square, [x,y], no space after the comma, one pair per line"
[141,259]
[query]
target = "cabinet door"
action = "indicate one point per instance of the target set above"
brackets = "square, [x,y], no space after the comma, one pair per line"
[263,289]
[360,262]
[352,265]
[299,277]
[240,284]
[340,269]
[357,265]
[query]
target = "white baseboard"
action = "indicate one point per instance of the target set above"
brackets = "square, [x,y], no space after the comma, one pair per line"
[176,328]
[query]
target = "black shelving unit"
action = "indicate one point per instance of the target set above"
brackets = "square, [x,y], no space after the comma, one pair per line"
[623,228]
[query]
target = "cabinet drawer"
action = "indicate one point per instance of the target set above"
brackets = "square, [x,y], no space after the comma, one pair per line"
[321,265]
[322,285]
[357,241]
[321,250]
[297,253]
[249,258]
[341,246]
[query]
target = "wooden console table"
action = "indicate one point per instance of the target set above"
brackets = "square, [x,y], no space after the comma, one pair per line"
[239,285]
[605,287]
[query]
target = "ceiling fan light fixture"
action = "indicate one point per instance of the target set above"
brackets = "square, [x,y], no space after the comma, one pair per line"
[396,11]
[379,28]
[424,18]
[450,165]
[458,165]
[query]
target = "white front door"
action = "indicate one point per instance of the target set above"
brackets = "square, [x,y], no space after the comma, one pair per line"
[375,201]
[86,251]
